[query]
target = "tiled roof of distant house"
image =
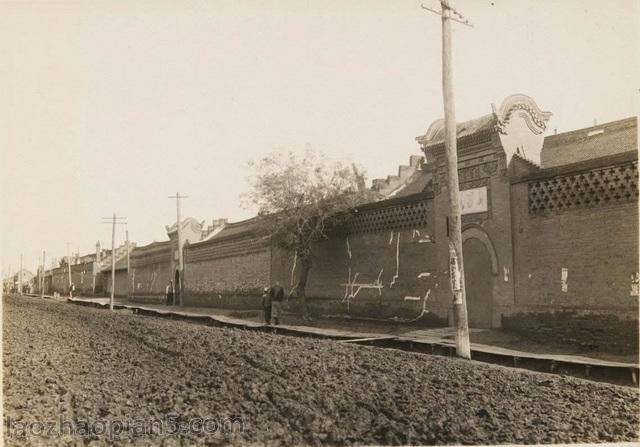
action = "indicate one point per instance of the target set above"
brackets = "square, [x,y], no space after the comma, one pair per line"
[592,142]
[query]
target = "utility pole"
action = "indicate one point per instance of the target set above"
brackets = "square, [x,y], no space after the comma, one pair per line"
[43,267]
[128,264]
[69,267]
[20,284]
[180,260]
[113,221]
[456,264]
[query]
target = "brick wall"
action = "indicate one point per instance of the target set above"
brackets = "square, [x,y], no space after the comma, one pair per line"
[86,277]
[150,279]
[82,276]
[385,265]
[229,273]
[597,244]
[151,269]
[59,281]
[121,289]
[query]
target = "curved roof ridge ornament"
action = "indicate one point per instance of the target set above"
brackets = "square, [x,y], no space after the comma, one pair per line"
[186,222]
[535,118]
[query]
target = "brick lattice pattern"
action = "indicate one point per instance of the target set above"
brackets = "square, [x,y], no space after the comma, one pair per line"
[615,184]
[398,217]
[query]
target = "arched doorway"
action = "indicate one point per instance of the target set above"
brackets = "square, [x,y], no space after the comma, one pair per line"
[478,282]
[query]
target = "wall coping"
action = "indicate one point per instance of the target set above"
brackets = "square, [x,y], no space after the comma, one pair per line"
[579,167]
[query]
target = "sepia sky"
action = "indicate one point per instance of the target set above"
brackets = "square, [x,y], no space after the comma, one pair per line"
[109,106]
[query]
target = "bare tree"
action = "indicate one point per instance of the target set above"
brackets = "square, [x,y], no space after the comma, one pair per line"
[299,196]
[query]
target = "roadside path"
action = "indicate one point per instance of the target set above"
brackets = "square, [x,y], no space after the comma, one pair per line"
[434,341]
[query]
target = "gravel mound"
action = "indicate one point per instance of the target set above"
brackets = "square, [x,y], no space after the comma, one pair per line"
[92,366]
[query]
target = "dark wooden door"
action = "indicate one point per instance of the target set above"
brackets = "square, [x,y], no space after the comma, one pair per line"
[478,282]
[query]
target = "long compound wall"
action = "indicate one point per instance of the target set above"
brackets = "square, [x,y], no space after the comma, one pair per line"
[391,260]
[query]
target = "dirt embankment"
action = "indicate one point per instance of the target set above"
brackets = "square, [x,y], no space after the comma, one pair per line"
[91,365]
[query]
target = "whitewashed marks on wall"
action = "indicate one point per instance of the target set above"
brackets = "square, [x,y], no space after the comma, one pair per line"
[352,287]
[396,276]
[635,282]
[356,283]
[424,306]
[506,273]
[564,277]
[293,268]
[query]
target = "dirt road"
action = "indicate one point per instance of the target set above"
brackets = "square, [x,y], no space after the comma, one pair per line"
[125,378]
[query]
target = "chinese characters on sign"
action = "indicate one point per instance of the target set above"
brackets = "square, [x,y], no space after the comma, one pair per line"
[473,200]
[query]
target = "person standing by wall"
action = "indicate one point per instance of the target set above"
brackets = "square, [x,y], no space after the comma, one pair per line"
[266,304]
[277,296]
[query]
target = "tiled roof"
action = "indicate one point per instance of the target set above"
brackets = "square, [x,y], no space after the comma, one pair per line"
[592,142]
[435,134]
[234,229]
[415,184]
[121,264]
[154,246]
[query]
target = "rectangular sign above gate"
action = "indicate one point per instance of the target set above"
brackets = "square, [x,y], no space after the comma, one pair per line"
[474,200]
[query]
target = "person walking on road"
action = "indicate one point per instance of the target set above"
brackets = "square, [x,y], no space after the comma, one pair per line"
[276,293]
[266,304]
